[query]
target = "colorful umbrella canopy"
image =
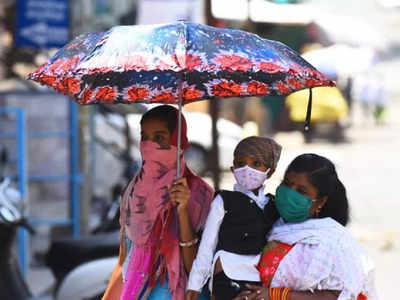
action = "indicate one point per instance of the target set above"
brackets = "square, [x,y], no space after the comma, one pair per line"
[179,62]
[172,62]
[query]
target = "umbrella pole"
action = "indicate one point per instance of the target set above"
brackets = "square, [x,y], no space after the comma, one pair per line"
[178,155]
[308,114]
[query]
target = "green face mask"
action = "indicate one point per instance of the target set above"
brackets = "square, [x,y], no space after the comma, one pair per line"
[292,206]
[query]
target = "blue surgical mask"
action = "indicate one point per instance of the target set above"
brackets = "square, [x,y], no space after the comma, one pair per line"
[292,206]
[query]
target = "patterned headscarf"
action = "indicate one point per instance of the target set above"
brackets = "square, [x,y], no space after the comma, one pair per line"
[262,148]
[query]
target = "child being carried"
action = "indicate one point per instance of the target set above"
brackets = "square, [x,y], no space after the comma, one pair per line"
[237,225]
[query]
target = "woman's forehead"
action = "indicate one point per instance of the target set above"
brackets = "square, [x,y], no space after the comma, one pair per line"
[299,178]
[154,125]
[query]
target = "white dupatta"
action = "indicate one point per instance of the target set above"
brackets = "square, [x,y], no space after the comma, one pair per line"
[325,256]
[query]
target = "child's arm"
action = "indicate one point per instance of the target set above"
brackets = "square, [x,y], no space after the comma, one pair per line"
[202,265]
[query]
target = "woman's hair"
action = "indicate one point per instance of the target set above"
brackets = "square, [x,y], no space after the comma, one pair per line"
[164,113]
[321,173]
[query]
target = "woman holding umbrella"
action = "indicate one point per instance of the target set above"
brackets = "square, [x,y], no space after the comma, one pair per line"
[310,254]
[160,216]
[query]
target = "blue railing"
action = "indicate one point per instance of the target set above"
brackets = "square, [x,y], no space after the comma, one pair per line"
[73,177]
[20,137]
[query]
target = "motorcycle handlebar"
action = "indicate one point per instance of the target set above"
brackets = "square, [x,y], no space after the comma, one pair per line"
[24,223]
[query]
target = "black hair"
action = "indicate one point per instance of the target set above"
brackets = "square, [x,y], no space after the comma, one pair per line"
[321,173]
[166,113]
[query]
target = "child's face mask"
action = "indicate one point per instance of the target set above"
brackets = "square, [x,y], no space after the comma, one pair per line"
[250,178]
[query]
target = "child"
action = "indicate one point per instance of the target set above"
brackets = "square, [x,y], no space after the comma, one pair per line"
[237,225]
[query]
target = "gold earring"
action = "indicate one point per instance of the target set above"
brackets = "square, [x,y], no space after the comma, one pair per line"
[317,211]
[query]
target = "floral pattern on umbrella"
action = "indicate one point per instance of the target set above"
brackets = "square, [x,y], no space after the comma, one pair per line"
[182,60]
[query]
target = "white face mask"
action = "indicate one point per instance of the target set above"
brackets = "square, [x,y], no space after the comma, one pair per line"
[250,178]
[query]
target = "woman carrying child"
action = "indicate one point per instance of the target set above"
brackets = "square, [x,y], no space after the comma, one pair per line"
[310,255]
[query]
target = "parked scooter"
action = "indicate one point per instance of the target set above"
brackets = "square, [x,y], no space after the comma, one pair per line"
[97,251]
[12,283]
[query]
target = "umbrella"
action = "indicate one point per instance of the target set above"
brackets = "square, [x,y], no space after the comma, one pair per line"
[175,63]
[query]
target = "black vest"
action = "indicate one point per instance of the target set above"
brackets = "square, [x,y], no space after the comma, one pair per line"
[245,225]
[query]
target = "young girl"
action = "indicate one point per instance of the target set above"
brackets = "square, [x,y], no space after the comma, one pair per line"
[237,225]
[310,255]
[160,216]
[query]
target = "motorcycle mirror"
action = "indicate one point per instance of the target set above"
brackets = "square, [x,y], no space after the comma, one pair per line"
[7,215]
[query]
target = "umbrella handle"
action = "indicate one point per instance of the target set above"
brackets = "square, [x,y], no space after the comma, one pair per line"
[308,115]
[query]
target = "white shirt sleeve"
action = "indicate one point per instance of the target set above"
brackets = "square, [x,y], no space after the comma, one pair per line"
[202,265]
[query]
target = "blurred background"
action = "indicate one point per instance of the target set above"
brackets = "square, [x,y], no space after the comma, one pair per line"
[70,163]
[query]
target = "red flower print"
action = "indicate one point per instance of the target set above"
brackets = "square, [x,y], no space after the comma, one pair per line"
[48,80]
[295,69]
[95,70]
[163,98]
[60,87]
[318,75]
[86,96]
[227,89]
[55,65]
[329,82]
[106,94]
[257,88]
[191,94]
[283,88]
[135,94]
[312,82]
[62,65]
[192,61]
[68,64]
[295,84]
[233,63]
[269,67]
[72,85]
[37,72]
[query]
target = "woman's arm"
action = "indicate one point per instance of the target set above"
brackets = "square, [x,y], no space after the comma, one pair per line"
[262,293]
[180,195]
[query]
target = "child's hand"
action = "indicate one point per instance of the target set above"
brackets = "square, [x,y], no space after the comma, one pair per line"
[179,193]
[191,295]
